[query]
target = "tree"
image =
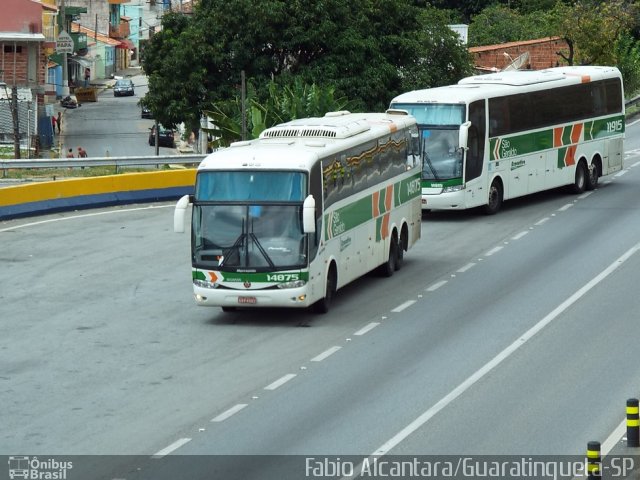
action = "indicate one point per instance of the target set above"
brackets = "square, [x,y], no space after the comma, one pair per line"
[367,50]
[500,24]
[592,28]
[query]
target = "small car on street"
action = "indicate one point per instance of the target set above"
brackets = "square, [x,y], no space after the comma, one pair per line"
[146,113]
[123,86]
[165,137]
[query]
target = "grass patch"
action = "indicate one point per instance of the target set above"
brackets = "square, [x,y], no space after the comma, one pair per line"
[42,174]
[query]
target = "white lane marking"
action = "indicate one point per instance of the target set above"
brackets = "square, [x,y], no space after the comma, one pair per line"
[325,354]
[565,207]
[540,222]
[281,381]
[174,446]
[585,194]
[637,163]
[493,250]
[367,328]
[620,173]
[232,411]
[466,267]
[519,235]
[504,354]
[614,438]
[436,286]
[401,307]
[95,214]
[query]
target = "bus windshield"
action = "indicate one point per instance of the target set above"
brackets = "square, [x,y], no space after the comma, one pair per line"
[249,237]
[439,125]
[250,186]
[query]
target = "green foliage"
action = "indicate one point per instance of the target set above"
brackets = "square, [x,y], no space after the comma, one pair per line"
[500,24]
[284,103]
[627,50]
[592,28]
[365,50]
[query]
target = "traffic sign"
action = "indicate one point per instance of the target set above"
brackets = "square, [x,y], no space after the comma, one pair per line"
[64,43]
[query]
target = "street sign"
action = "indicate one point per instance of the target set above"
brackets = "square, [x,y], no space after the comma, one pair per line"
[64,43]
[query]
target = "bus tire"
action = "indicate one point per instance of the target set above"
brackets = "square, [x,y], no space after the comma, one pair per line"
[494,202]
[324,304]
[391,265]
[229,309]
[580,182]
[401,249]
[592,177]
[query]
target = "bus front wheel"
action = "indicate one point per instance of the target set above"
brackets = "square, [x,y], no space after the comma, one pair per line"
[494,201]
[324,304]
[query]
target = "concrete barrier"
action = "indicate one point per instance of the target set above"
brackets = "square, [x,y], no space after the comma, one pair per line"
[80,193]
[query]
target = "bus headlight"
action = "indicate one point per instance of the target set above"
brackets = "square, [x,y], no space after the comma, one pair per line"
[293,284]
[204,284]
[453,188]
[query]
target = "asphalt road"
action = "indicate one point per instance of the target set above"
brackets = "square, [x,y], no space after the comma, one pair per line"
[112,126]
[510,334]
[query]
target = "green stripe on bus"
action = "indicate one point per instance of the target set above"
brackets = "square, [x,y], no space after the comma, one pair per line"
[262,277]
[351,216]
[527,143]
[452,182]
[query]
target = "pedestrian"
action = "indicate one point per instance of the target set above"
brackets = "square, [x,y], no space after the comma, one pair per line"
[54,120]
[87,76]
[82,153]
[70,153]
[59,121]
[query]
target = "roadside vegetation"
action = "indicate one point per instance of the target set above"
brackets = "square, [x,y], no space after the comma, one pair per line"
[305,58]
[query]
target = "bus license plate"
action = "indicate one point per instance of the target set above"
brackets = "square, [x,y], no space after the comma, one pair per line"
[247,300]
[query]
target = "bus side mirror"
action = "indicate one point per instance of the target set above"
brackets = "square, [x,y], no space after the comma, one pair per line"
[309,215]
[463,136]
[179,213]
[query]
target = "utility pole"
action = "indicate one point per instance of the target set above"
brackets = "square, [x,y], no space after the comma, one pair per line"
[65,72]
[16,124]
[12,101]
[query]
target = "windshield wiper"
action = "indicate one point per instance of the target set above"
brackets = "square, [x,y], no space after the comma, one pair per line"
[237,245]
[262,250]
[425,155]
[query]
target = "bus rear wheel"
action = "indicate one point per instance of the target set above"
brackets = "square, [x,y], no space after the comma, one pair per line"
[592,177]
[391,265]
[324,304]
[580,182]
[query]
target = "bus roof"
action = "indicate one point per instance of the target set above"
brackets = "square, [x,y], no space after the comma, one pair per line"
[298,144]
[496,84]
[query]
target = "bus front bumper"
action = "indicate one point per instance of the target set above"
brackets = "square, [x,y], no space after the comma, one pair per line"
[256,298]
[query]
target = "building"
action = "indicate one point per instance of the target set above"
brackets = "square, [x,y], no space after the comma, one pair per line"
[528,54]
[23,64]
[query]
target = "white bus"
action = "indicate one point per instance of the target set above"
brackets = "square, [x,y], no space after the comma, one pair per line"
[502,135]
[287,219]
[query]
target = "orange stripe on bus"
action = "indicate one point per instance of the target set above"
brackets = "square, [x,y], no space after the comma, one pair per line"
[575,132]
[375,199]
[388,198]
[557,136]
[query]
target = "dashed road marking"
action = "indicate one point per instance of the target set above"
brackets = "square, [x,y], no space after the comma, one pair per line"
[493,250]
[436,286]
[326,353]
[281,381]
[519,235]
[366,328]
[174,446]
[466,267]
[228,413]
[401,307]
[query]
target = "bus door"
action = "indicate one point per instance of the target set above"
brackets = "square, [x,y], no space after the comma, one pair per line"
[476,192]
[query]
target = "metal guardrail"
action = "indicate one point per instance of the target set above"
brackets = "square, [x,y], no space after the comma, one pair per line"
[116,162]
